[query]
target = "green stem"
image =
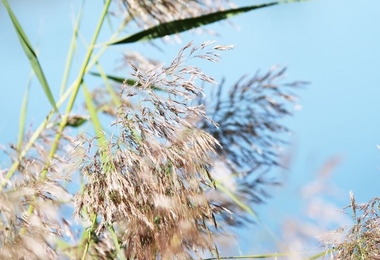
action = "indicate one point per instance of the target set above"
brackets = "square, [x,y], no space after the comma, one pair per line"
[115,241]
[82,71]
[272,256]
[33,139]
[76,87]
[71,50]
[70,105]
[90,231]
[105,46]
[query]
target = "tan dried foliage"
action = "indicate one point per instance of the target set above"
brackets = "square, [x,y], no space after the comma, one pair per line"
[149,180]
[25,235]
[362,239]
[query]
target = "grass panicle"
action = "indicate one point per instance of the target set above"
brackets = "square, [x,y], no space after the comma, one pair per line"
[150,178]
[362,239]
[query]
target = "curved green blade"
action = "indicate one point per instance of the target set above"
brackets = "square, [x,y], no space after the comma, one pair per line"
[178,26]
[30,53]
[121,80]
[22,121]
[235,199]
[93,115]
[72,49]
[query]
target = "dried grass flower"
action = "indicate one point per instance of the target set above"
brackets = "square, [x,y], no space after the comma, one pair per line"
[150,178]
[362,240]
[31,204]
[251,134]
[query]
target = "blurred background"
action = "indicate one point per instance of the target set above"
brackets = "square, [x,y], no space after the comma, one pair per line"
[334,45]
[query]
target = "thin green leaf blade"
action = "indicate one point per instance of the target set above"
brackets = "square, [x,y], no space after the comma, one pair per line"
[24,108]
[76,121]
[32,140]
[182,25]
[121,80]
[116,78]
[120,255]
[236,200]
[261,256]
[321,254]
[115,98]
[72,49]
[93,115]
[30,53]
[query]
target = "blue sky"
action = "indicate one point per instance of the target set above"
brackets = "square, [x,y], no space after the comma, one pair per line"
[332,44]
